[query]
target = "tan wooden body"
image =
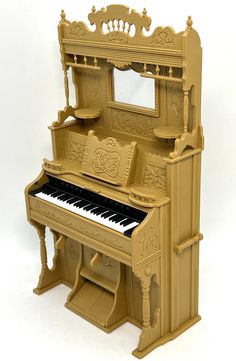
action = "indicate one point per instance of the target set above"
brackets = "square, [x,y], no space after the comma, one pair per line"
[150,279]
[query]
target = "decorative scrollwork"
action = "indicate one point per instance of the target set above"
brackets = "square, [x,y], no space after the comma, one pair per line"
[132,123]
[77,30]
[149,241]
[53,214]
[110,141]
[75,152]
[118,37]
[106,162]
[162,39]
[155,176]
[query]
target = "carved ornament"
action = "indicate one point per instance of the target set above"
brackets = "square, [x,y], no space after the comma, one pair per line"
[132,123]
[117,37]
[75,152]
[53,214]
[162,39]
[77,30]
[155,176]
[106,163]
[149,242]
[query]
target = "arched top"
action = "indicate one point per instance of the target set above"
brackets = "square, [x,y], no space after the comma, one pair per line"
[120,17]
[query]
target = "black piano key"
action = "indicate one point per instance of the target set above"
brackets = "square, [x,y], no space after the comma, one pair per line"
[110,213]
[47,191]
[100,211]
[82,204]
[94,210]
[118,218]
[122,219]
[106,214]
[128,232]
[86,205]
[64,197]
[72,200]
[61,195]
[58,193]
[112,216]
[126,222]
[76,204]
[67,197]
[89,207]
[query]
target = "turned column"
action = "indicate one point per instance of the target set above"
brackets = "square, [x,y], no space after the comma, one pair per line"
[66,87]
[186,110]
[43,250]
[146,301]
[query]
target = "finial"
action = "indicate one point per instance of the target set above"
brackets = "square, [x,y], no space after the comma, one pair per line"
[94,9]
[144,12]
[63,15]
[189,22]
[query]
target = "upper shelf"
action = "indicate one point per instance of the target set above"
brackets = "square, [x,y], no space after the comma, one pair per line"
[87,113]
[168,132]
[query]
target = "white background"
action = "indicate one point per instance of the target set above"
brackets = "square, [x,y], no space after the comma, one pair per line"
[40,328]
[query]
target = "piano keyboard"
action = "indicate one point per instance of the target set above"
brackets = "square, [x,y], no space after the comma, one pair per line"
[102,210]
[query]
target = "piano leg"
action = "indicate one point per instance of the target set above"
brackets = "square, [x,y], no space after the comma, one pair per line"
[150,332]
[48,278]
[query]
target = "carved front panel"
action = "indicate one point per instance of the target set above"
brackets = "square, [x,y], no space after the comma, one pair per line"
[74,147]
[146,241]
[155,176]
[80,224]
[131,123]
[151,171]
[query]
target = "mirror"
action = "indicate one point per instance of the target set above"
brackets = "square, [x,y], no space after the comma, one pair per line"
[130,88]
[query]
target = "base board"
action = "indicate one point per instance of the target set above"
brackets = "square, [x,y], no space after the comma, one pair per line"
[169,337]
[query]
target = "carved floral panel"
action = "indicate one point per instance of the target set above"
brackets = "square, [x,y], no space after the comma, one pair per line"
[106,163]
[148,240]
[131,123]
[75,152]
[155,176]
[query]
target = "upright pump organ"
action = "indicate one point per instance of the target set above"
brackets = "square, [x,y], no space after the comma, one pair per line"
[121,195]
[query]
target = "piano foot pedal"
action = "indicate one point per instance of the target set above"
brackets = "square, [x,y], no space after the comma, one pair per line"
[95,304]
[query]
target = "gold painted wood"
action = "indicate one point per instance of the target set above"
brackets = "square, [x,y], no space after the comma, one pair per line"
[107,160]
[149,159]
[60,242]
[179,248]
[87,113]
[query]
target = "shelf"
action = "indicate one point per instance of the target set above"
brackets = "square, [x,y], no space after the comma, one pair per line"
[99,280]
[87,113]
[168,132]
